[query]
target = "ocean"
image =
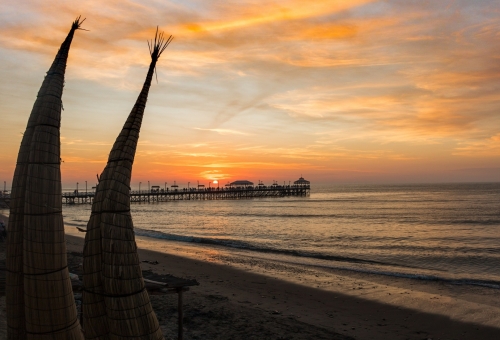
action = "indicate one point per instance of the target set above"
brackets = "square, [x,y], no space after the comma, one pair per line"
[441,232]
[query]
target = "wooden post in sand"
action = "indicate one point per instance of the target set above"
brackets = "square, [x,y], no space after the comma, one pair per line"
[180,331]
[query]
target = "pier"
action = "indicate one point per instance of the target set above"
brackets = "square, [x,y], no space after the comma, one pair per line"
[231,193]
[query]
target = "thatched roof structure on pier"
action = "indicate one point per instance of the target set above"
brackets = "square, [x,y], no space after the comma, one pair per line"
[115,301]
[301,182]
[241,183]
[40,302]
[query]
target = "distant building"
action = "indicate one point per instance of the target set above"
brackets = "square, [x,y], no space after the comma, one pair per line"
[301,182]
[240,184]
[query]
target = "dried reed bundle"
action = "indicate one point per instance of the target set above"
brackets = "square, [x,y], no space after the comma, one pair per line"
[40,303]
[115,301]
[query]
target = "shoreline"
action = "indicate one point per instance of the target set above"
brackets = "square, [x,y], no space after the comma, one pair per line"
[357,305]
[342,264]
[245,297]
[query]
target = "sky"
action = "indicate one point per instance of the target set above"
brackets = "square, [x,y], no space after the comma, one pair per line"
[335,91]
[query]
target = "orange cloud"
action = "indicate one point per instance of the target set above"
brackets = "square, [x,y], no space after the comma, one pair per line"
[256,15]
[489,147]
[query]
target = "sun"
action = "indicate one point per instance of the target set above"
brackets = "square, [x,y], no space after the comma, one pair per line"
[215,181]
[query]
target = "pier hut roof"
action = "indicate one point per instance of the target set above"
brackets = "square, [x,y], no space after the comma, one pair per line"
[241,182]
[301,180]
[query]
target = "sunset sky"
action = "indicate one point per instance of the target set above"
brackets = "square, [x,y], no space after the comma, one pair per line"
[337,91]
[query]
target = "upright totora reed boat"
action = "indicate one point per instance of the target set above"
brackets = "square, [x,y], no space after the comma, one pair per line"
[40,302]
[115,301]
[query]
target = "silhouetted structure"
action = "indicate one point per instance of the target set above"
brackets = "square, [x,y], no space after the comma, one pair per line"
[201,193]
[115,301]
[241,183]
[40,302]
[301,182]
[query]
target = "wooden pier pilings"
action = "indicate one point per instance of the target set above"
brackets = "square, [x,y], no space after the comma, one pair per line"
[149,196]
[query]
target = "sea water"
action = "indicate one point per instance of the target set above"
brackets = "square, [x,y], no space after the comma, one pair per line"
[448,232]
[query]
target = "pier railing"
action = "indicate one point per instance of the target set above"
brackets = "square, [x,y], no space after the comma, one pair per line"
[232,193]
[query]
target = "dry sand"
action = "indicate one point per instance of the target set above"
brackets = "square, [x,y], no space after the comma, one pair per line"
[249,298]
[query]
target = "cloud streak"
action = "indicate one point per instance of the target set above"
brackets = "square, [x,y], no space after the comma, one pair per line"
[225,131]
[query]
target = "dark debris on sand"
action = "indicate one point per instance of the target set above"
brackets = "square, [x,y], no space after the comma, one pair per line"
[212,316]
[218,317]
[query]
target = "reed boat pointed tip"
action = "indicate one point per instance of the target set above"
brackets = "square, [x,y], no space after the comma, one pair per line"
[78,23]
[159,44]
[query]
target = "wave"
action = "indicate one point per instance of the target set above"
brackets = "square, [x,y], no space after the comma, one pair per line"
[229,243]
[478,222]
[460,281]
[285,215]
[494,221]
[313,255]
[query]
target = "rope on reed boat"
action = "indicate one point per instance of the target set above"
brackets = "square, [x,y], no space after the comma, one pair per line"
[46,273]
[114,295]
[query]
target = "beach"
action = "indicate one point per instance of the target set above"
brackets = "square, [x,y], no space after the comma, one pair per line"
[285,170]
[247,298]
[255,300]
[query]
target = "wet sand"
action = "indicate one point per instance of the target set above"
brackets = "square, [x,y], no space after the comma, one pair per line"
[241,297]
[245,297]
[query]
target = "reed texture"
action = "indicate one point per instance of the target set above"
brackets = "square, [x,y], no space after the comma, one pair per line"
[116,304]
[40,302]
